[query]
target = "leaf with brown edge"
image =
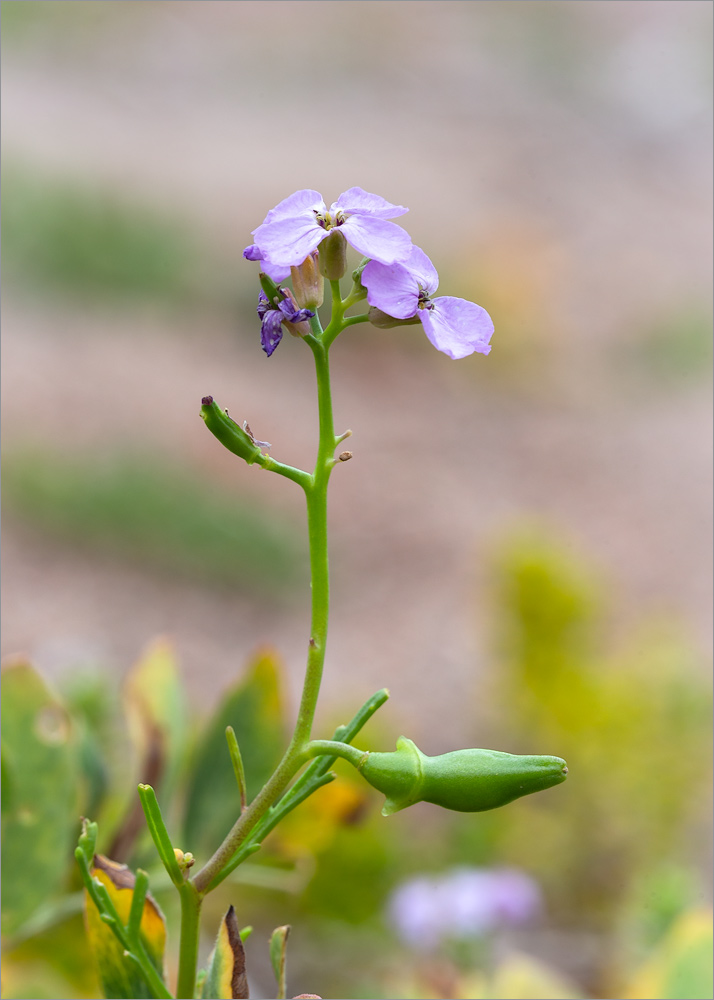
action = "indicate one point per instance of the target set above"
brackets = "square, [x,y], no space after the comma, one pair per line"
[120,977]
[226,978]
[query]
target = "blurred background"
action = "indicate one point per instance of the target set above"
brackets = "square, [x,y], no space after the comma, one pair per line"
[521,544]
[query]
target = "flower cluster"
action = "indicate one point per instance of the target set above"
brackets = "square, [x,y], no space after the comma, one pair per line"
[399,278]
[465,902]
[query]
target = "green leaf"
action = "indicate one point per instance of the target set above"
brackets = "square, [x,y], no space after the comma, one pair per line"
[254,708]
[278,957]
[121,977]
[41,768]
[226,978]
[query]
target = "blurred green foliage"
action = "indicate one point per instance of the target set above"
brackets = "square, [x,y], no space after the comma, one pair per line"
[89,241]
[617,851]
[157,516]
[633,724]
[673,350]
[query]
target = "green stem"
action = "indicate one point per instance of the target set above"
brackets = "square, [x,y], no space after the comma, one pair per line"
[332,748]
[188,954]
[316,497]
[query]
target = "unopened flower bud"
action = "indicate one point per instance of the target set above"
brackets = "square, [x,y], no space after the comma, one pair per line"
[308,283]
[186,860]
[464,780]
[333,255]
[384,322]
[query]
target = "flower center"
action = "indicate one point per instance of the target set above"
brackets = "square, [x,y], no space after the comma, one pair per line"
[328,221]
[424,302]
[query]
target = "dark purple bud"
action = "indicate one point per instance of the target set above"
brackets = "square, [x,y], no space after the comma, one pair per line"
[252,253]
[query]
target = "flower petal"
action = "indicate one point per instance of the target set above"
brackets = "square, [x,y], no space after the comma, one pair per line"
[391,288]
[457,327]
[377,239]
[361,202]
[423,270]
[273,271]
[300,203]
[287,242]
[271,330]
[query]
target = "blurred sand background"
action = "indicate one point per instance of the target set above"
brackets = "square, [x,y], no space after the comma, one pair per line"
[556,160]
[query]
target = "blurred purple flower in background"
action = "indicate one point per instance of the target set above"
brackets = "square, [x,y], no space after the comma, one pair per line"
[403,290]
[465,902]
[297,226]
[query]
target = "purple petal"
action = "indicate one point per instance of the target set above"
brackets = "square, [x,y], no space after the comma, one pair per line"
[391,288]
[357,200]
[271,330]
[457,327]
[292,314]
[423,270]
[263,304]
[288,242]
[300,203]
[379,240]
[273,271]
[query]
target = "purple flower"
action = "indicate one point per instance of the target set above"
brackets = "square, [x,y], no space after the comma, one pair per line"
[273,315]
[404,290]
[298,225]
[465,902]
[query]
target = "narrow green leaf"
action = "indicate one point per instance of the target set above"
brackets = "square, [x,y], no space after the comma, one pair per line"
[225,978]
[254,709]
[237,762]
[41,768]
[159,834]
[278,957]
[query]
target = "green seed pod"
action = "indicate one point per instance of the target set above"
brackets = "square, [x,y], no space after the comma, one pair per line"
[464,780]
[231,436]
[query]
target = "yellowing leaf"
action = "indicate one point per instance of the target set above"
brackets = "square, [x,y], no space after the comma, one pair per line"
[314,824]
[226,978]
[120,977]
[681,968]
[521,977]
[154,701]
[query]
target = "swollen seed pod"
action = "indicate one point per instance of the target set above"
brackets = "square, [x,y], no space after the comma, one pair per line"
[231,436]
[464,780]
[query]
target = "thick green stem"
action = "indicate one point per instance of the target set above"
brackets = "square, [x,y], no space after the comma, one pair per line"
[188,956]
[316,496]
